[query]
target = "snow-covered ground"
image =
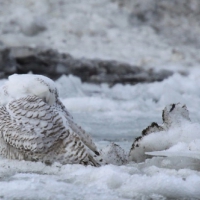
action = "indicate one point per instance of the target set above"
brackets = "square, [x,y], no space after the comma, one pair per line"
[113,114]
[100,29]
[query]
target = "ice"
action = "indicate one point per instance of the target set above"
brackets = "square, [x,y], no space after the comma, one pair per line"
[112,154]
[99,29]
[176,137]
[26,180]
[179,141]
[116,114]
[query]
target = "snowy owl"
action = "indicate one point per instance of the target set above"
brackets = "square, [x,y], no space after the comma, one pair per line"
[36,126]
[156,137]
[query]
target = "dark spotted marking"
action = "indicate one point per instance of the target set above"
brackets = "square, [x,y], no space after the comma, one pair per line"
[153,124]
[172,108]
[136,140]
[163,115]
[97,153]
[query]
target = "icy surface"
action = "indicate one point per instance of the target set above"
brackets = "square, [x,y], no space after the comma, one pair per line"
[100,29]
[117,114]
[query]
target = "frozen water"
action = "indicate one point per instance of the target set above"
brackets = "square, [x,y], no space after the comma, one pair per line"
[117,114]
[177,136]
[99,29]
[159,179]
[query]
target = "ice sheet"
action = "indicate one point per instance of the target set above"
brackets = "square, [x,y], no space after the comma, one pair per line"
[113,114]
[99,29]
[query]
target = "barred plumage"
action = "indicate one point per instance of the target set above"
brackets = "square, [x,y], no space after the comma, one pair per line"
[36,126]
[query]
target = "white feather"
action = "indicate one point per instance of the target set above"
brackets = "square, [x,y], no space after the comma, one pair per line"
[35,125]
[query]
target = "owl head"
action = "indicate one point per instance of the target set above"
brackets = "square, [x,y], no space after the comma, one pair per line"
[23,85]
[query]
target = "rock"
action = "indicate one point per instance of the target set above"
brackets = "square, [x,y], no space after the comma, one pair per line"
[53,64]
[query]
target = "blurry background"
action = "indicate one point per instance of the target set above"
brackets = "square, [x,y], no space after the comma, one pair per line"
[103,44]
[158,34]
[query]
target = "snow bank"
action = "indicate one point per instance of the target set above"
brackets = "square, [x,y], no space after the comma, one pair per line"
[117,114]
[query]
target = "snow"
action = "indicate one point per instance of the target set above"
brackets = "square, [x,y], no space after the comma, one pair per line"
[37,181]
[119,117]
[99,29]
[22,85]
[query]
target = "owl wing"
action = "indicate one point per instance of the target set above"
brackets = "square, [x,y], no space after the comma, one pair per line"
[86,139]
[32,125]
